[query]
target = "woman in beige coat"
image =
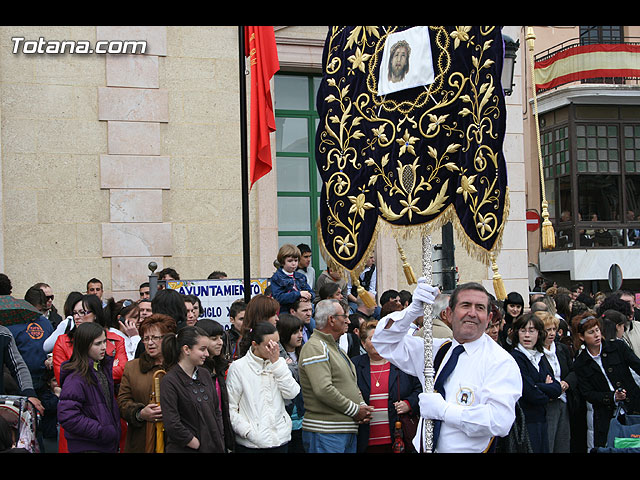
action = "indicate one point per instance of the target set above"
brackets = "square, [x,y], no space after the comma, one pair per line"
[135,394]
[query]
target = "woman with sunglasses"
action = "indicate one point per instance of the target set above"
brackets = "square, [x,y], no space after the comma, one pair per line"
[66,324]
[89,309]
[604,376]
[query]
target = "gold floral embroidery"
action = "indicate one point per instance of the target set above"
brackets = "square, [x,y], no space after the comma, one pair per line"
[399,156]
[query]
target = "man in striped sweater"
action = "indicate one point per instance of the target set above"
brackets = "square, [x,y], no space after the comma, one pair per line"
[333,403]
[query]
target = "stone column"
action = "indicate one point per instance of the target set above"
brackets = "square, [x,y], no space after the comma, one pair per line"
[133,169]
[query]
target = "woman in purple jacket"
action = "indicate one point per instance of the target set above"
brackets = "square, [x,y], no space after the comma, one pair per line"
[88,411]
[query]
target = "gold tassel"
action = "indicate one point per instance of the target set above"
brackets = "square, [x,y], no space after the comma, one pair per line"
[408,271]
[364,295]
[548,235]
[498,285]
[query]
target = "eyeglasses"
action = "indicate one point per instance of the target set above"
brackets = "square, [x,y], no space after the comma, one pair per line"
[80,313]
[152,338]
[529,330]
[341,315]
[50,297]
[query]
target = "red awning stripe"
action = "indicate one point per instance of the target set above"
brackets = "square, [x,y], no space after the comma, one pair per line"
[589,61]
[582,49]
[577,76]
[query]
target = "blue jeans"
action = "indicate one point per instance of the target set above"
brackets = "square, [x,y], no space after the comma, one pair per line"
[329,442]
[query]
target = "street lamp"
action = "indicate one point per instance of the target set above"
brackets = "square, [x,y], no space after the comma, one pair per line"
[510,50]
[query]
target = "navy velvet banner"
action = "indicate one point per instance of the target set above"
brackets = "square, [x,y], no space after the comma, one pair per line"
[428,149]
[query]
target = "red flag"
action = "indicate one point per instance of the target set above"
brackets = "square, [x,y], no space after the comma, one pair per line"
[260,47]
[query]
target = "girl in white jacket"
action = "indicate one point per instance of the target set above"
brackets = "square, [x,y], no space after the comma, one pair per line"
[258,384]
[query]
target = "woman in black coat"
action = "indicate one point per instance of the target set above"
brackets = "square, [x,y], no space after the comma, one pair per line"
[604,391]
[402,390]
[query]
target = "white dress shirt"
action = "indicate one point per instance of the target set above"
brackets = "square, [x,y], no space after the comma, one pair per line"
[482,390]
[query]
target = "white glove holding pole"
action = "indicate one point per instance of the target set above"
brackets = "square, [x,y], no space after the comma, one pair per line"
[423,294]
[432,406]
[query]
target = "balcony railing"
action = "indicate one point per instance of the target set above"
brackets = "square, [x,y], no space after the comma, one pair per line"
[596,236]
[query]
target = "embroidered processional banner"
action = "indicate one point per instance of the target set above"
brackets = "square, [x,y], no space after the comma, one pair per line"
[412,123]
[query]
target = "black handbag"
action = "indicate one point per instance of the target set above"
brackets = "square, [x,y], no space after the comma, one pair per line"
[409,422]
[517,441]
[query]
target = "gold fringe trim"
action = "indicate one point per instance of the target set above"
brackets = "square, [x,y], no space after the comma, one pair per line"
[404,232]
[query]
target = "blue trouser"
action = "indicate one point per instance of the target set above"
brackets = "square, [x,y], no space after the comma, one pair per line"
[329,442]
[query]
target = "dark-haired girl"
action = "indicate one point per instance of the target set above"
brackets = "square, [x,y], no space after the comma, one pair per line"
[190,409]
[217,363]
[261,308]
[290,332]
[88,310]
[513,307]
[87,410]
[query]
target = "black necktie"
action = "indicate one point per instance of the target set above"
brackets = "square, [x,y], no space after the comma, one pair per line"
[439,385]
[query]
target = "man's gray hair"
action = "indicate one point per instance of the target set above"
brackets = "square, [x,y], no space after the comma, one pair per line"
[440,304]
[324,308]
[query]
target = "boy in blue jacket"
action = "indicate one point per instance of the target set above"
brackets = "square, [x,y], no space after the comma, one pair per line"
[288,285]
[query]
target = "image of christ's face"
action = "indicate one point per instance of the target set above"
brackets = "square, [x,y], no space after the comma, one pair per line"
[398,66]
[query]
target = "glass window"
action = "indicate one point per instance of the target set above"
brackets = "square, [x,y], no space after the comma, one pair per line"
[631,142]
[293,174]
[293,213]
[597,149]
[299,184]
[599,198]
[294,239]
[601,34]
[632,190]
[291,92]
[292,134]
[604,151]
[564,194]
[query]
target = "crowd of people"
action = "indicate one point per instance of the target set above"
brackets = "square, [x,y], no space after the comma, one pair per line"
[310,366]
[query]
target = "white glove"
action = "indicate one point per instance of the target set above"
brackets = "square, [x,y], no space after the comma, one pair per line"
[432,406]
[424,293]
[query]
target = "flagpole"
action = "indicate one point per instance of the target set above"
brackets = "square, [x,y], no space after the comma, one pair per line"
[427,332]
[244,164]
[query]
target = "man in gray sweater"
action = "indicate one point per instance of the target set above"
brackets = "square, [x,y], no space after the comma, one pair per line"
[334,406]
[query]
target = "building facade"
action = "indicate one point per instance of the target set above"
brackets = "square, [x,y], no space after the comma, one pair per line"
[589,142]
